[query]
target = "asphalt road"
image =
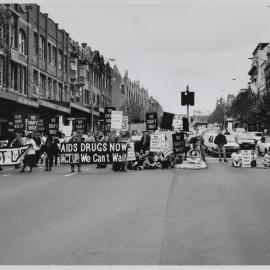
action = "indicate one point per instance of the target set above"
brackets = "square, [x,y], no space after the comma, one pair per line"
[220,215]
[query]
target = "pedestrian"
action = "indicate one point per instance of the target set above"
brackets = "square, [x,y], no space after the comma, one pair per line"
[90,137]
[220,141]
[75,138]
[145,141]
[266,159]
[30,156]
[17,142]
[48,148]
[55,149]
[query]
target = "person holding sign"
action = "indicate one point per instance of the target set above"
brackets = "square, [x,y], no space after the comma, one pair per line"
[266,159]
[30,156]
[75,138]
[237,159]
[194,155]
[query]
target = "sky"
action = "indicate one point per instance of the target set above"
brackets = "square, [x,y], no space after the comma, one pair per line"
[167,45]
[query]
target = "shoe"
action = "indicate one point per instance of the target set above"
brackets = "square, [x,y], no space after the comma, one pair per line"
[220,160]
[72,171]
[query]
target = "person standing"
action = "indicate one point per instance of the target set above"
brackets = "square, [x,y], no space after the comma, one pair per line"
[49,150]
[17,142]
[90,137]
[145,141]
[75,138]
[220,141]
[30,156]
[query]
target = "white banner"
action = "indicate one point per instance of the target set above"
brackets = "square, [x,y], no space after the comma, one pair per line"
[12,156]
[157,143]
[131,152]
[116,120]
[168,150]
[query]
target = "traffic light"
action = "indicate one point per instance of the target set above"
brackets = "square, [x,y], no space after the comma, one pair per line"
[187,98]
[191,98]
[184,98]
[185,124]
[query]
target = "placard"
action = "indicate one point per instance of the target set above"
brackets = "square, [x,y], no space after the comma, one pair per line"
[116,120]
[19,121]
[32,122]
[246,158]
[108,111]
[178,143]
[131,152]
[53,126]
[157,142]
[91,153]
[10,127]
[151,121]
[41,125]
[167,120]
[13,155]
[80,124]
[125,125]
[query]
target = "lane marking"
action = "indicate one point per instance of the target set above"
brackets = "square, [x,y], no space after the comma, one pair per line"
[67,175]
[7,174]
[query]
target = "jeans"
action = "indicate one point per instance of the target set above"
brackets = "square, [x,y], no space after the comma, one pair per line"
[221,148]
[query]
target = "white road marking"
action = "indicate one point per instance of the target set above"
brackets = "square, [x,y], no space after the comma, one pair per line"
[7,174]
[9,169]
[66,175]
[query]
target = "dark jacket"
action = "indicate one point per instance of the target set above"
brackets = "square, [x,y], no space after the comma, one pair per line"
[145,142]
[220,139]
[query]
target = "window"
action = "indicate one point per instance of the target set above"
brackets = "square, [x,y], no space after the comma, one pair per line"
[43,91]
[12,37]
[65,63]
[22,42]
[55,96]
[1,33]
[86,97]
[60,59]
[87,75]
[94,98]
[122,90]
[97,99]
[50,88]
[60,91]
[13,78]
[54,56]
[23,80]
[42,47]
[1,70]
[35,82]
[49,53]
[35,43]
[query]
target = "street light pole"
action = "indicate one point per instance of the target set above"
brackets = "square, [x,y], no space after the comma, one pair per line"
[187,91]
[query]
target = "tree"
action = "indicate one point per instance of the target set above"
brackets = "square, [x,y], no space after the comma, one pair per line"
[218,115]
[133,110]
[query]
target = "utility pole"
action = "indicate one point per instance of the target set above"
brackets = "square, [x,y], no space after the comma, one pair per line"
[187,93]
[187,99]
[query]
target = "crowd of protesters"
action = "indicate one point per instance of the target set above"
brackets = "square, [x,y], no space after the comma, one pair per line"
[46,149]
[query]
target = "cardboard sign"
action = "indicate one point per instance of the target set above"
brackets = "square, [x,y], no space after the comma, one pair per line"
[125,126]
[246,158]
[151,121]
[19,121]
[10,126]
[167,120]
[12,156]
[32,122]
[53,126]
[91,153]
[167,151]
[116,120]
[80,124]
[157,142]
[131,152]
[108,112]
[41,125]
[178,143]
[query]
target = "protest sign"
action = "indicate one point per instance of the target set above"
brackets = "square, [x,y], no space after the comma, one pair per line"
[10,126]
[32,122]
[246,158]
[80,124]
[178,143]
[108,111]
[167,120]
[116,120]
[53,126]
[125,126]
[19,121]
[168,150]
[157,142]
[12,156]
[91,153]
[41,125]
[131,152]
[151,121]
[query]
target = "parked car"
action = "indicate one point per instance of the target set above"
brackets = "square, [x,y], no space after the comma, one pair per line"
[212,148]
[263,145]
[240,130]
[256,135]
[245,141]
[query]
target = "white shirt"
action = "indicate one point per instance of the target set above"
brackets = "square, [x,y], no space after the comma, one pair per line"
[32,148]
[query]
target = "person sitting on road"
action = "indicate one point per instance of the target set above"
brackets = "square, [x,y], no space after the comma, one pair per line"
[266,159]
[236,159]
[176,160]
[194,155]
[253,159]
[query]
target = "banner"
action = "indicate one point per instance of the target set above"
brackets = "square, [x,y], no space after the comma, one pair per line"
[157,142]
[19,121]
[125,125]
[12,156]
[53,126]
[116,120]
[151,121]
[80,125]
[178,143]
[91,153]
[246,158]
[32,122]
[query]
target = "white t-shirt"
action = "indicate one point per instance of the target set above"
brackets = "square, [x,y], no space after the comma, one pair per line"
[236,157]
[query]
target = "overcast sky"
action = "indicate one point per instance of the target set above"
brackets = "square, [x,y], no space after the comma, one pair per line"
[168,44]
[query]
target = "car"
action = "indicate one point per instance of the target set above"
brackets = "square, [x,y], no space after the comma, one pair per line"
[263,145]
[256,135]
[245,141]
[240,130]
[212,148]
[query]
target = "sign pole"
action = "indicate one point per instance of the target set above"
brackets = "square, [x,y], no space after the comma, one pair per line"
[187,91]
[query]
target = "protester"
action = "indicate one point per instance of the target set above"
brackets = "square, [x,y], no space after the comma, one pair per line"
[17,142]
[266,159]
[90,137]
[253,159]
[176,160]
[75,138]
[194,155]
[236,159]
[220,141]
[145,141]
[49,149]
[56,150]
[30,157]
